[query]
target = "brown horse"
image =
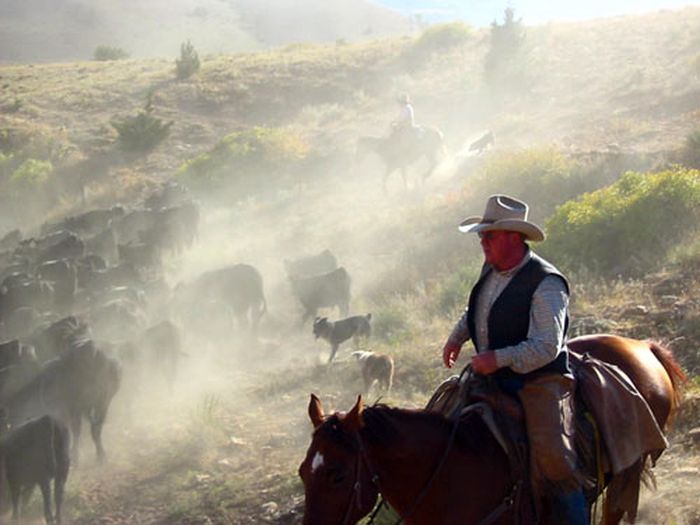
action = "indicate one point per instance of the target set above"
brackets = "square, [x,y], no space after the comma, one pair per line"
[399,151]
[404,454]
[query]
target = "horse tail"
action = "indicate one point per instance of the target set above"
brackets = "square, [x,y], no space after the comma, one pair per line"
[674,371]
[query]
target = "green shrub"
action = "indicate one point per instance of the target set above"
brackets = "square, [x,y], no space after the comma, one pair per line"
[31,175]
[690,154]
[240,157]
[103,53]
[188,63]
[142,132]
[628,227]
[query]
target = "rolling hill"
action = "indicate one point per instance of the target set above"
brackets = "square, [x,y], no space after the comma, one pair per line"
[68,30]
[592,101]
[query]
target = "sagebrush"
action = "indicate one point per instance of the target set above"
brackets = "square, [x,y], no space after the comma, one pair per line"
[143,131]
[629,227]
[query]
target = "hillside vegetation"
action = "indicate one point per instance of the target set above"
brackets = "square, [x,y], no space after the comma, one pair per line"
[68,30]
[597,132]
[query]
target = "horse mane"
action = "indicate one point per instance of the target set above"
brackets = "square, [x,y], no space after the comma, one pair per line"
[382,421]
[382,426]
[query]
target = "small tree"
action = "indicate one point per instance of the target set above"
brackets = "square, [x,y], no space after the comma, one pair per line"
[504,63]
[103,53]
[188,63]
[142,132]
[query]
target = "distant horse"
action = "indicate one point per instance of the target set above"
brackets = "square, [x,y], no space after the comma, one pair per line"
[399,151]
[405,454]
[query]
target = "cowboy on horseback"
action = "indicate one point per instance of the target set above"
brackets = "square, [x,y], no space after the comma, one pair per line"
[517,318]
[403,128]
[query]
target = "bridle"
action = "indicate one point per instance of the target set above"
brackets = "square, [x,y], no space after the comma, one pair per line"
[357,486]
[508,501]
[355,496]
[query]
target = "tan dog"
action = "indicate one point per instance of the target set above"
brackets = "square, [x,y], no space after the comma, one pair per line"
[375,367]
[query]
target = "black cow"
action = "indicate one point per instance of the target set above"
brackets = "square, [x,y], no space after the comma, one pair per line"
[128,227]
[72,247]
[88,223]
[10,240]
[168,195]
[103,244]
[175,228]
[51,340]
[141,255]
[32,246]
[18,366]
[326,290]
[33,454]
[79,383]
[62,274]
[20,322]
[16,265]
[15,279]
[34,292]
[96,281]
[133,295]
[240,287]
[321,263]
[13,353]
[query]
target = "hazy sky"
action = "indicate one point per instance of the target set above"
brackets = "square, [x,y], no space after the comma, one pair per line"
[483,12]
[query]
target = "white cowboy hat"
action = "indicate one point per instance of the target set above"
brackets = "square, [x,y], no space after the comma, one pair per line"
[503,213]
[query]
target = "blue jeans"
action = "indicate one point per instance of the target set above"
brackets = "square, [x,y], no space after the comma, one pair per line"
[573,508]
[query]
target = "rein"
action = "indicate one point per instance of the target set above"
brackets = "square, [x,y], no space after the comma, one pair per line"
[426,488]
[507,502]
[357,487]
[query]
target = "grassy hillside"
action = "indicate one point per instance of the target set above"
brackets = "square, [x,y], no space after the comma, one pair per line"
[595,100]
[68,30]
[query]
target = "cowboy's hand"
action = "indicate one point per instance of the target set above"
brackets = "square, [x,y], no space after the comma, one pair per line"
[450,352]
[484,363]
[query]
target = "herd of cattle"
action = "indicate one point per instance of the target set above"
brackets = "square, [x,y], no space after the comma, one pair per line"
[85,306]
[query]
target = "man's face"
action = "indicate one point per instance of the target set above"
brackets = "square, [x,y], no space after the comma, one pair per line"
[500,247]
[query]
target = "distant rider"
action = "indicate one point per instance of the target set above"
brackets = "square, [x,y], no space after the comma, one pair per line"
[403,129]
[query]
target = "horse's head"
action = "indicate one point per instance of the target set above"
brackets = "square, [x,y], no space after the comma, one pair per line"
[338,484]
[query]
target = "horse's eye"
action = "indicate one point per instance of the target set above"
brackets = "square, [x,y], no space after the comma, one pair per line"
[337,475]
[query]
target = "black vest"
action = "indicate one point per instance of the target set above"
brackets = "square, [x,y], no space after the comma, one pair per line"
[509,318]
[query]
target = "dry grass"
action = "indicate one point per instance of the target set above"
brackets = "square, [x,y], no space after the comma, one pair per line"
[224,449]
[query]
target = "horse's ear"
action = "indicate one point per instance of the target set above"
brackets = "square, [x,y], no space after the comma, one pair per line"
[353,422]
[315,410]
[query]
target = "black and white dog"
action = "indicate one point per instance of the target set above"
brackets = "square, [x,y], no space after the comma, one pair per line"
[340,331]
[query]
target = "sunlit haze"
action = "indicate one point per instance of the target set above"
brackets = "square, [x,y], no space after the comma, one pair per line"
[483,12]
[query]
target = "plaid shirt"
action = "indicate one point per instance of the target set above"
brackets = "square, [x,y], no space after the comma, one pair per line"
[545,337]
